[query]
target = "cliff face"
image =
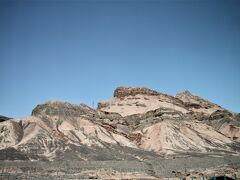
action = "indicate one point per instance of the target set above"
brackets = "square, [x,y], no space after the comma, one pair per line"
[136,124]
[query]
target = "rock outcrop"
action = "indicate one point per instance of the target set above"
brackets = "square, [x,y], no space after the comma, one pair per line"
[4,118]
[197,104]
[129,101]
[134,100]
[10,133]
[122,92]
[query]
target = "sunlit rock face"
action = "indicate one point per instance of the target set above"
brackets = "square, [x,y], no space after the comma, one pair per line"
[133,100]
[137,124]
[138,100]
[10,133]
[197,104]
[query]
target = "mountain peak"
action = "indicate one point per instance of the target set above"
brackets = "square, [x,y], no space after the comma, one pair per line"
[185,92]
[139,100]
[187,97]
[54,107]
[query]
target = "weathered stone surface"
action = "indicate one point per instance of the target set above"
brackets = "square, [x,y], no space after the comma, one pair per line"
[226,123]
[137,124]
[138,100]
[10,133]
[58,108]
[121,92]
[197,104]
[129,101]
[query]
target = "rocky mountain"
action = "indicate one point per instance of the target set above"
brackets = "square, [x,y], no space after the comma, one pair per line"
[130,100]
[138,125]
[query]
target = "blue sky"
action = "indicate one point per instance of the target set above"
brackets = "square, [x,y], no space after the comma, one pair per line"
[80,51]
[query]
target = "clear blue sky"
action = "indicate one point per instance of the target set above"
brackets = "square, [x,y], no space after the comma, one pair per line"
[80,51]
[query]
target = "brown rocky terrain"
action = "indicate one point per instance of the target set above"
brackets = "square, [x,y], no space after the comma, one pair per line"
[156,132]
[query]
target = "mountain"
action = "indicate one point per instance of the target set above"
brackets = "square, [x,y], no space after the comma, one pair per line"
[138,125]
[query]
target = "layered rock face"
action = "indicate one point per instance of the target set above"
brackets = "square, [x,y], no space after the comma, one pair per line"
[137,124]
[130,100]
[197,104]
[122,92]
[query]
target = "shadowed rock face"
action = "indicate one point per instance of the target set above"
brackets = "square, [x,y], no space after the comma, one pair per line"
[4,118]
[221,178]
[137,124]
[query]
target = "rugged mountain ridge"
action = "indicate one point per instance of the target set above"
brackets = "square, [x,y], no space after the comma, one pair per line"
[137,124]
[131,100]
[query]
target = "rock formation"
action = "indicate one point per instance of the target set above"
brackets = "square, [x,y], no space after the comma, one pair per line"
[4,118]
[137,125]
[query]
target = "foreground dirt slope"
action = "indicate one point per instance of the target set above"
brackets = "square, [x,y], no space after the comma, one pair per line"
[137,124]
